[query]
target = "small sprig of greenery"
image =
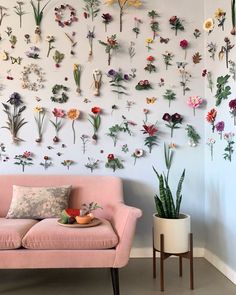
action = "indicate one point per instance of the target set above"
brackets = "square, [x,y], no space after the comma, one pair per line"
[24,160]
[116,80]
[169,95]
[193,136]
[223,90]
[92,8]
[184,75]
[19,11]
[38,12]
[225,50]
[2,13]
[154,25]
[165,205]
[113,163]
[116,129]
[229,147]
[168,56]
[92,164]
[110,45]
[232,69]
[132,50]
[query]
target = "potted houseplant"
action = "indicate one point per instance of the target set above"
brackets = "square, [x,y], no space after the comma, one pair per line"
[168,220]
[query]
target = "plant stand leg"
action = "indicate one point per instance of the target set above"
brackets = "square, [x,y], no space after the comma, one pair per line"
[153,256]
[180,266]
[162,262]
[191,261]
[115,281]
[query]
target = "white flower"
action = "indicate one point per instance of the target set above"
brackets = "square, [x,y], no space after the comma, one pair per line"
[138,153]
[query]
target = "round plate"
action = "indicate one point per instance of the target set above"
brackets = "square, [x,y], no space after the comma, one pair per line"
[94,222]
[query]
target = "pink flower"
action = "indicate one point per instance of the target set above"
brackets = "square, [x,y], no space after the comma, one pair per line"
[184,44]
[194,102]
[58,113]
[146,111]
[27,154]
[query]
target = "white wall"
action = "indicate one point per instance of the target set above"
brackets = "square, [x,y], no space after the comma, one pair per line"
[139,181]
[220,174]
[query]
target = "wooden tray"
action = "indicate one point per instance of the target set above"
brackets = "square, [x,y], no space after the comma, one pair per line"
[94,222]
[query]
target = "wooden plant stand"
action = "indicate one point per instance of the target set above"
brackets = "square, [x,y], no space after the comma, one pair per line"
[164,255]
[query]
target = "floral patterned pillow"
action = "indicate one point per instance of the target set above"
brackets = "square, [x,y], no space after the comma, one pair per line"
[38,202]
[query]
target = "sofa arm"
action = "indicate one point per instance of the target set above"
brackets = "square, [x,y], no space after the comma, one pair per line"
[124,220]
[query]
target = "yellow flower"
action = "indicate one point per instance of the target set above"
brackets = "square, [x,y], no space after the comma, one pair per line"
[76,66]
[149,40]
[219,13]
[109,2]
[73,114]
[208,24]
[38,109]
[135,3]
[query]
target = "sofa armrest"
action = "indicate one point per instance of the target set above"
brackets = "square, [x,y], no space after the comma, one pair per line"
[124,220]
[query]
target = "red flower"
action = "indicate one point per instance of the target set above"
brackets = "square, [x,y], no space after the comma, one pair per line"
[149,129]
[173,19]
[110,157]
[96,110]
[183,43]
[211,116]
[232,104]
[150,58]
[166,117]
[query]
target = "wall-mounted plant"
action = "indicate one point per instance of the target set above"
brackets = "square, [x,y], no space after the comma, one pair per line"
[14,120]
[193,136]
[97,80]
[233,16]
[211,117]
[137,154]
[232,106]
[19,11]
[225,51]
[27,38]
[196,58]
[73,115]
[212,47]
[136,28]
[113,163]
[46,162]
[33,52]
[197,33]
[229,147]
[58,115]
[208,74]
[223,90]
[169,95]
[13,41]
[150,67]
[143,85]
[194,102]
[220,126]
[232,69]
[77,75]
[176,24]
[132,50]
[122,5]
[3,13]
[149,41]
[117,78]
[117,128]
[184,44]
[220,16]
[58,58]
[91,8]
[129,104]
[39,119]
[184,75]
[50,40]
[90,37]
[92,164]
[173,121]
[154,24]
[110,45]
[67,163]
[24,160]
[3,156]
[106,19]
[167,57]
[151,139]
[59,93]
[85,140]
[95,120]
[208,25]
[38,16]
[211,142]
[61,11]
[36,84]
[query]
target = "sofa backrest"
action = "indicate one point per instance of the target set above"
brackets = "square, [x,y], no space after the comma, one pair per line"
[105,190]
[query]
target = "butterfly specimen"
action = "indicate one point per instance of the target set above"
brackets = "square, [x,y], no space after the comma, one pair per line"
[151,100]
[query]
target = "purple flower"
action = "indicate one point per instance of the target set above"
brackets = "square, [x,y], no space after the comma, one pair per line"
[166,117]
[107,18]
[232,104]
[15,99]
[111,72]
[220,126]
[126,77]
[90,35]
[176,118]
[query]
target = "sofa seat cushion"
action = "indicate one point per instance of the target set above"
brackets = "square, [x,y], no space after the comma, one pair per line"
[12,232]
[47,234]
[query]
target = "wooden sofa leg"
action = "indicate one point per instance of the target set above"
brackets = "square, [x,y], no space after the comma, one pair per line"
[115,281]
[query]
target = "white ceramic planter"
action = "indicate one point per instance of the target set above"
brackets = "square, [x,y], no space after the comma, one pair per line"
[176,233]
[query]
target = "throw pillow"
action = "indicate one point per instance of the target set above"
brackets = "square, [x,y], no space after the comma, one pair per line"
[38,202]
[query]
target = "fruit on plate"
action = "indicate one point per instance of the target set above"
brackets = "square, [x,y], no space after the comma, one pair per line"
[83,219]
[69,214]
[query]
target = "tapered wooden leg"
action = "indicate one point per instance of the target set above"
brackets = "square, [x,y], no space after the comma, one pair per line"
[153,257]
[191,262]
[162,263]
[180,266]
[115,281]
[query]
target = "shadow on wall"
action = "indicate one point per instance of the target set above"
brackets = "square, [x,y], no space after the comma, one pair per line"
[140,195]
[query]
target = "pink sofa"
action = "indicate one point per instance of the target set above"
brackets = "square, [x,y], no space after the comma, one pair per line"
[28,243]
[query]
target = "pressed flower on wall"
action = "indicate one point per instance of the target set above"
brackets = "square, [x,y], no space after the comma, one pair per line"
[67,163]
[162,82]
[59,93]
[143,85]
[210,143]
[193,136]
[24,160]
[92,164]
[223,90]
[176,24]
[3,13]
[220,16]
[169,95]
[73,115]
[117,78]
[14,117]
[91,9]
[211,117]
[110,45]
[46,162]
[151,138]
[225,51]
[106,19]
[194,102]
[233,16]
[113,163]
[173,121]
[63,10]
[27,38]
[232,106]
[208,25]
[19,11]
[146,113]
[206,73]
[184,75]
[184,44]
[73,43]
[150,67]
[196,58]
[196,33]
[39,119]
[33,52]
[229,137]
[95,120]
[168,56]
[3,156]
[154,24]
[136,28]
[149,41]
[232,69]
[77,76]
[131,50]
[137,154]
[220,126]
[125,148]
[58,58]
[97,79]
[50,40]
[13,41]
[90,37]
[212,47]
[58,114]
[129,104]
[85,140]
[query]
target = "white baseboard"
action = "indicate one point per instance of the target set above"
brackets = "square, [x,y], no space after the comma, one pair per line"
[147,252]
[221,266]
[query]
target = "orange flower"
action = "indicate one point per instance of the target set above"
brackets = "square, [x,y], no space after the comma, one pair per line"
[73,114]
[211,116]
